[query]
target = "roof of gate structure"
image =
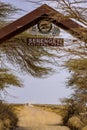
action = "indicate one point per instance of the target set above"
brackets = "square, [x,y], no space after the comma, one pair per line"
[38,14]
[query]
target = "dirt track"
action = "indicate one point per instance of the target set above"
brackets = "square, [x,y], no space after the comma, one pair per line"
[31,118]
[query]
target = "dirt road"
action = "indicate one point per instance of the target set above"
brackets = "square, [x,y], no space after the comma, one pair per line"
[31,118]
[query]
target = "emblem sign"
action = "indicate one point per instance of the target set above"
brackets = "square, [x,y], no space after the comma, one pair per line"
[44,26]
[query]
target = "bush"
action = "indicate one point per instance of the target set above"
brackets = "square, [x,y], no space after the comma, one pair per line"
[1,125]
[83,117]
[84,128]
[75,123]
[8,118]
[72,108]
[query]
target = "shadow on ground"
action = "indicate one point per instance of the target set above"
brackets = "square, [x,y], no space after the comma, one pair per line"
[55,124]
[22,128]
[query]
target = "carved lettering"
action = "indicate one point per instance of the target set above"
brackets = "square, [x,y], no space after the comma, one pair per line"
[45,42]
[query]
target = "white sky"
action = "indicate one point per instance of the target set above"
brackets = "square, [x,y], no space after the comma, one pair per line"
[48,90]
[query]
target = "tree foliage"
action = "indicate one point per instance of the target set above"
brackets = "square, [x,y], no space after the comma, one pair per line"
[6,79]
[8,118]
[74,9]
[71,8]
[78,79]
[77,102]
[78,66]
[32,60]
[6,10]
[36,61]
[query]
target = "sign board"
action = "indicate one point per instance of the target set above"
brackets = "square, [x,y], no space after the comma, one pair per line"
[45,42]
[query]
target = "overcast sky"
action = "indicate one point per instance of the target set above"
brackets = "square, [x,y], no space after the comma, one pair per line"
[49,90]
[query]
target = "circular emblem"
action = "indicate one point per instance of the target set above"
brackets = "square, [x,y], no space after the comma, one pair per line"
[44,26]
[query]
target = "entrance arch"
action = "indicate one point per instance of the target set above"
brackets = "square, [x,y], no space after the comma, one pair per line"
[35,16]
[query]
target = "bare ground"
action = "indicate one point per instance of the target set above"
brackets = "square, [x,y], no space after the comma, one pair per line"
[32,118]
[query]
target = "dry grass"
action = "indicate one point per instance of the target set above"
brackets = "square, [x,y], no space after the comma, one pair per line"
[84,128]
[58,109]
[8,118]
[75,123]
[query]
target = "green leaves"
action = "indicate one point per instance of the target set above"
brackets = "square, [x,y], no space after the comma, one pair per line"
[34,60]
[78,82]
[6,12]
[7,79]
[78,67]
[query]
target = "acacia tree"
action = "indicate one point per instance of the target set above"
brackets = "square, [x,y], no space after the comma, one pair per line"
[6,78]
[77,102]
[77,10]
[74,9]
[6,10]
